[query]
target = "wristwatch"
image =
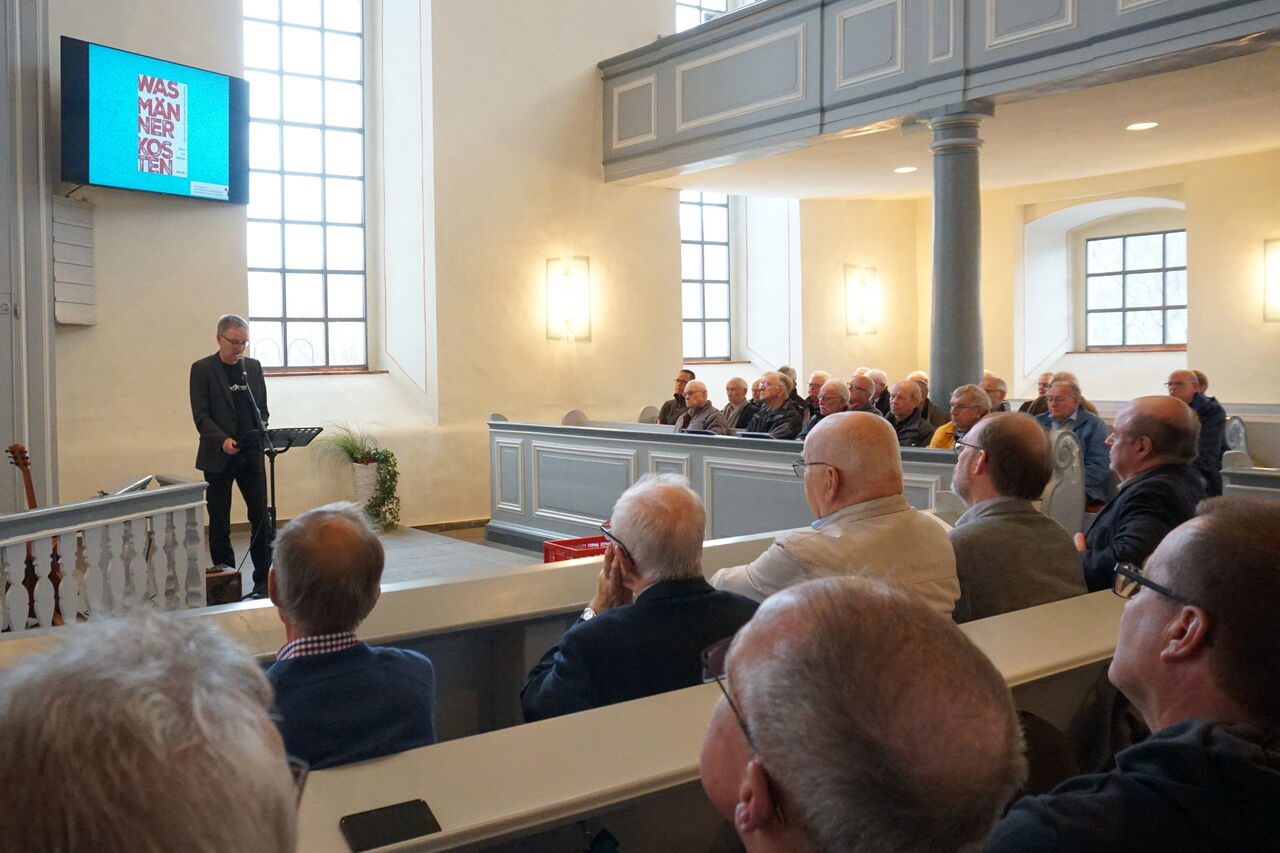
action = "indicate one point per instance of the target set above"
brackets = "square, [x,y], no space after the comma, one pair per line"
[588,613]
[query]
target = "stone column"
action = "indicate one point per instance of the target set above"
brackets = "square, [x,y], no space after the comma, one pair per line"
[955,351]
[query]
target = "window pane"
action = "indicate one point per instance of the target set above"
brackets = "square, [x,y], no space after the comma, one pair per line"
[301,12]
[342,56]
[693,340]
[715,198]
[690,196]
[346,344]
[1175,249]
[717,340]
[1105,330]
[264,94]
[715,224]
[344,200]
[265,338]
[686,18]
[717,300]
[714,5]
[1104,255]
[343,15]
[344,153]
[342,104]
[261,45]
[1144,252]
[1143,327]
[690,222]
[306,344]
[690,260]
[346,295]
[265,295]
[1175,287]
[264,195]
[304,294]
[264,145]
[303,100]
[263,244]
[691,300]
[303,247]
[302,198]
[1143,289]
[1175,326]
[1105,291]
[301,50]
[269,9]
[346,247]
[302,145]
[717,261]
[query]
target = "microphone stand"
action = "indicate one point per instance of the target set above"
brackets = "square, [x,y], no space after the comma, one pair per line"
[269,450]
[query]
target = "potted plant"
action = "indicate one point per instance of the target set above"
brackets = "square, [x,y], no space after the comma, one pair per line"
[373,470]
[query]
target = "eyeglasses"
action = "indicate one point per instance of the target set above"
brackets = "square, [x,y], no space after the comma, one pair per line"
[960,445]
[1178,384]
[800,466]
[299,770]
[618,542]
[1128,580]
[235,343]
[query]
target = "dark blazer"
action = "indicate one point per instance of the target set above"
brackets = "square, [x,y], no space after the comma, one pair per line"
[742,417]
[1213,431]
[782,422]
[214,410]
[913,431]
[1130,527]
[651,646]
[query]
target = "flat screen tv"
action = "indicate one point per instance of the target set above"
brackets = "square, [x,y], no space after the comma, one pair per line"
[141,123]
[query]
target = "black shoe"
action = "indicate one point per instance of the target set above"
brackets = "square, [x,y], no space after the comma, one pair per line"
[259,593]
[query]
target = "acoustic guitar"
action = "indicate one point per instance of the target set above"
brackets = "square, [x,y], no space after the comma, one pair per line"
[19,457]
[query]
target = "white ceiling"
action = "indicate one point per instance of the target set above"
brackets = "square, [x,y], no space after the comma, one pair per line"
[1220,109]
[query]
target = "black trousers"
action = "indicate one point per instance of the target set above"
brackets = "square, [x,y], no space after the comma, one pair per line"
[247,471]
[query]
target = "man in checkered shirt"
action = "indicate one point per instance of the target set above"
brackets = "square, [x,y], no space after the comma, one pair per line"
[338,699]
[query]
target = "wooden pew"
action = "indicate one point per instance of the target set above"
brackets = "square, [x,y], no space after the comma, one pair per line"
[633,767]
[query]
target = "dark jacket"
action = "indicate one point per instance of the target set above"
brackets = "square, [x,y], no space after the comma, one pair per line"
[1213,430]
[650,646]
[1130,527]
[933,414]
[672,409]
[214,410]
[808,428]
[882,402]
[1195,786]
[742,417]
[782,422]
[913,431]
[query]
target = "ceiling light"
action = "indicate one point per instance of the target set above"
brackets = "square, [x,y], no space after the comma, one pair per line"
[1143,125]
[905,170]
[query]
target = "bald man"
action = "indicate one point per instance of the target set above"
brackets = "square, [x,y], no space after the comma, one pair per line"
[739,411]
[862,392]
[1152,444]
[699,413]
[832,397]
[852,472]
[904,415]
[1186,386]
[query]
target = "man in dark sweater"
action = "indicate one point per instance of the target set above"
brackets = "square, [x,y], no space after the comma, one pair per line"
[779,416]
[338,699]
[1198,654]
[675,407]
[904,413]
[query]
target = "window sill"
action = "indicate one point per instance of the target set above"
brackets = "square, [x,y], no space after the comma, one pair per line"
[714,361]
[319,371]
[1146,348]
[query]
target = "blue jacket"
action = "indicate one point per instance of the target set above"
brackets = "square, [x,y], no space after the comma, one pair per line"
[650,646]
[1213,430]
[354,704]
[1092,432]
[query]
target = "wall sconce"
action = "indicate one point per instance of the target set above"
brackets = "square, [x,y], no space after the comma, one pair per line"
[1271,281]
[863,302]
[569,299]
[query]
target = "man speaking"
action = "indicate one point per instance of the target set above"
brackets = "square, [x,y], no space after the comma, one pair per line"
[227,396]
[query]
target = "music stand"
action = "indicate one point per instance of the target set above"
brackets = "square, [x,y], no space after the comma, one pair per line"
[278,441]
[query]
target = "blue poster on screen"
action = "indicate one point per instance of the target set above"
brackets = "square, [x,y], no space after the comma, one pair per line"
[157,126]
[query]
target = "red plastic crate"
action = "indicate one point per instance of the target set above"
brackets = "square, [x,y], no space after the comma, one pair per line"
[572,549]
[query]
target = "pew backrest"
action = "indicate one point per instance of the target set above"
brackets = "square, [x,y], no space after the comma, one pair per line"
[1063,498]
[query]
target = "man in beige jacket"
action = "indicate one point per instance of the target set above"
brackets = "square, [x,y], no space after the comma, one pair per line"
[852,471]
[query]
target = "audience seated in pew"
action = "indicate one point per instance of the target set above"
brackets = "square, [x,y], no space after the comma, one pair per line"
[816,380]
[881,396]
[904,415]
[1198,654]
[969,404]
[739,411]
[793,395]
[996,389]
[862,390]
[931,413]
[1040,405]
[338,699]
[779,416]
[856,720]
[1185,385]
[832,397]
[675,407]
[652,614]
[700,414]
[1009,556]
[1066,411]
[852,471]
[146,734]
[1153,442]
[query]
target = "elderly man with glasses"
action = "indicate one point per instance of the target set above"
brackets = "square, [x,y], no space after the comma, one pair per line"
[969,404]
[854,719]
[652,615]
[852,472]
[1198,655]
[1186,386]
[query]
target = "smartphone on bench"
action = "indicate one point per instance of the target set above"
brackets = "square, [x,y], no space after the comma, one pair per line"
[388,825]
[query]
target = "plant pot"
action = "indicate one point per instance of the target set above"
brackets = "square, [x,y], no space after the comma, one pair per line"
[365,477]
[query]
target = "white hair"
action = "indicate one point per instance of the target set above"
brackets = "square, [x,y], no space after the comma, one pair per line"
[916,392]
[147,734]
[920,375]
[840,387]
[231,321]
[1000,384]
[972,395]
[819,376]
[878,376]
[328,567]
[661,521]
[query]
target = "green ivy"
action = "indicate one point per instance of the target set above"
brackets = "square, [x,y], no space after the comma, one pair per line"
[384,506]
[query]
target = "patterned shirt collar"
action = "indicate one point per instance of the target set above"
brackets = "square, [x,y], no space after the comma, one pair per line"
[317,644]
